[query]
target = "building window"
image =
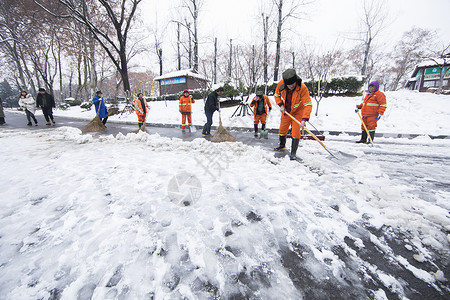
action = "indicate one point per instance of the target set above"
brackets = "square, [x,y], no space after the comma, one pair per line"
[429,83]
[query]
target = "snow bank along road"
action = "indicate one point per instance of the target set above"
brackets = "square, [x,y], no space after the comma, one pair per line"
[123,217]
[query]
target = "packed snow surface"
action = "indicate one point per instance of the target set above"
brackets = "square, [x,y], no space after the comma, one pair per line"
[141,216]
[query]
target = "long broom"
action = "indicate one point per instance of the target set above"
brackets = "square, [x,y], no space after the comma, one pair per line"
[95,125]
[221,134]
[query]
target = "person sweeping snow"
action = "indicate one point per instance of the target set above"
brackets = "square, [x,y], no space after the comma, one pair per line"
[211,105]
[262,106]
[100,107]
[27,102]
[185,108]
[292,95]
[372,108]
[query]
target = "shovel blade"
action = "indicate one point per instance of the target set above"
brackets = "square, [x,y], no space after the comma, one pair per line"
[342,158]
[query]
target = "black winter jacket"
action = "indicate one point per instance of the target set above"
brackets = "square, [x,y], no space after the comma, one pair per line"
[211,102]
[50,100]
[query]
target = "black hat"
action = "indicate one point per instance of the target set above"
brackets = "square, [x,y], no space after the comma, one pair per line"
[98,92]
[41,90]
[259,94]
[289,76]
[219,89]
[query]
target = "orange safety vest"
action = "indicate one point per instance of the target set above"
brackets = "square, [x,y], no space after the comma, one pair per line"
[138,107]
[301,105]
[266,104]
[185,103]
[373,104]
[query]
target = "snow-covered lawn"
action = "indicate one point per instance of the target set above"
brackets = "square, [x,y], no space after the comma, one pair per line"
[105,217]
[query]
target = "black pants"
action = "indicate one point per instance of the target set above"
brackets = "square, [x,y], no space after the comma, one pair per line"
[30,116]
[104,120]
[209,121]
[48,113]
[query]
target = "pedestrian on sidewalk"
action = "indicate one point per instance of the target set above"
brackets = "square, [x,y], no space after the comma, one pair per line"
[185,108]
[2,114]
[27,102]
[372,108]
[211,105]
[46,102]
[100,106]
[292,95]
[141,107]
[262,106]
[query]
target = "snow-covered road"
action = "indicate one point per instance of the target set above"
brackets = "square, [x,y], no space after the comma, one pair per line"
[98,217]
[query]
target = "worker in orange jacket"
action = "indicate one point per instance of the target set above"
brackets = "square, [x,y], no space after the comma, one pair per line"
[186,101]
[372,108]
[292,95]
[262,106]
[141,107]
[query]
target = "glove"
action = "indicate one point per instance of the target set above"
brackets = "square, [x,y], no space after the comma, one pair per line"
[356,110]
[270,108]
[379,117]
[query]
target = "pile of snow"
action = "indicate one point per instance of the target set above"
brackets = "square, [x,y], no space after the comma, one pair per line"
[408,112]
[85,217]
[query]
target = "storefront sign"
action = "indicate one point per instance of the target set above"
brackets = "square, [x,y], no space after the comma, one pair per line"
[175,80]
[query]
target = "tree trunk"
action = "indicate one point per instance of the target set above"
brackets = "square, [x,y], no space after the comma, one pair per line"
[215,61]
[278,50]
[231,57]
[178,47]
[266,33]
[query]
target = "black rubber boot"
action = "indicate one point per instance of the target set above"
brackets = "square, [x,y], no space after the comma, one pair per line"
[256,130]
[294,148]
[363,137]
[140,124]
[372,135]
[282,143]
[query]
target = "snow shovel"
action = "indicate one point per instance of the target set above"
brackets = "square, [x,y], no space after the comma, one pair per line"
[265,133]
[339,157]
[191,127]
[365,128]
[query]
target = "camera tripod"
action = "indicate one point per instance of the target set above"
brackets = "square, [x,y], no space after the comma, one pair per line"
[242,109]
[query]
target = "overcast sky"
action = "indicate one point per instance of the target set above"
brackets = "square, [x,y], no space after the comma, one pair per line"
[325,23]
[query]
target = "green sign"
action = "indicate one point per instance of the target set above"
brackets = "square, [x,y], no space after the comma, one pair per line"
[433,73]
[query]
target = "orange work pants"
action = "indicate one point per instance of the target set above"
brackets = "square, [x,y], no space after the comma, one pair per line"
[183,119]
[286,122]
[371,123]
[260,118]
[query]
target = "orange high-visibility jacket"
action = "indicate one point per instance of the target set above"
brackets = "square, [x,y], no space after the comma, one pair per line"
[266,104]
[301,102]
[138,107]
[185,103]
[373,104]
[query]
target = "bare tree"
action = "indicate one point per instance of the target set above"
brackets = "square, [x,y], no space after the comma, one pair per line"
[120,14]
[193,8]
[286,9]
[408,52]
[372,24]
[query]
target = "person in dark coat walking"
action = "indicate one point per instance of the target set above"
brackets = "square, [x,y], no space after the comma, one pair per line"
[2,114]
[46,102]
[99,103]
[210,108]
